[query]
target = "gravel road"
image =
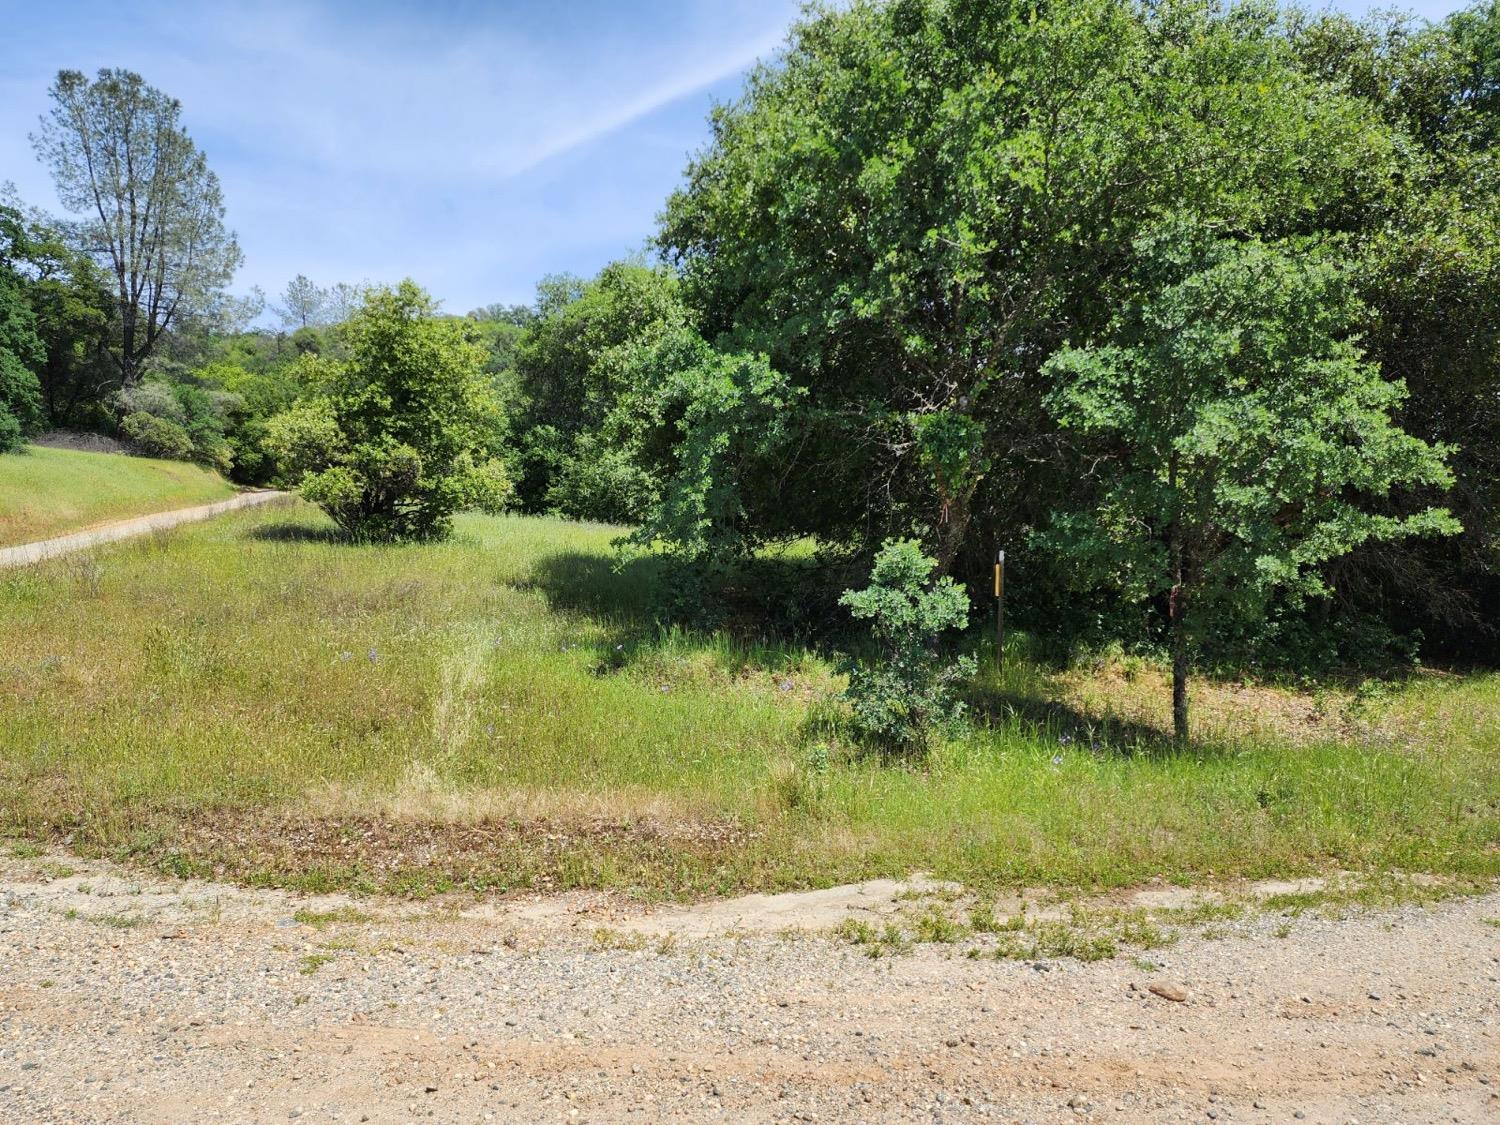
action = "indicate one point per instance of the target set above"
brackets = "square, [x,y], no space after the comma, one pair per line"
[28,553]
[127,999]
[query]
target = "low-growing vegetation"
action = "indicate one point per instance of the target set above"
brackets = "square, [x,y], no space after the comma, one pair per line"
[46,492]
[1197,321]
[503,711]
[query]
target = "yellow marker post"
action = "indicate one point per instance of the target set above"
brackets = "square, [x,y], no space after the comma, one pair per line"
[999,610]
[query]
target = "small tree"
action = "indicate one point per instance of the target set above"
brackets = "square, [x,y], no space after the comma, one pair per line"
[303,304]
[400,435]
[1236,428]
[907,694]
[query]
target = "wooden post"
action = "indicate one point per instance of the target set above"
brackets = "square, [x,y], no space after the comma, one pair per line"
[1000,611]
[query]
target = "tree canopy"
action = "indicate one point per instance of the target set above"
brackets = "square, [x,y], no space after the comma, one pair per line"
[395,438]
[150,208]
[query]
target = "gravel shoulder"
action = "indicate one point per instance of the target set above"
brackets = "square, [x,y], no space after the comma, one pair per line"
[127,998]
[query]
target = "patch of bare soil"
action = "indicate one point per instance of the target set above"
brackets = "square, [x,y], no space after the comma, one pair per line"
[125,998]
[80,442]
[423,855]
[1138,697]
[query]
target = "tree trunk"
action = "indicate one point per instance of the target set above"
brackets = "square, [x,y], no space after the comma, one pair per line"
[1177,612]
[1177,616]
[953,527]
[129,369]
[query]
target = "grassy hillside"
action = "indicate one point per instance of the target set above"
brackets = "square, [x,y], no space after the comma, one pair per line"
[255,698]
[46,492]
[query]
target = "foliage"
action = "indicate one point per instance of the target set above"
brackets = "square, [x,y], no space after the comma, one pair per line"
[1239,435]
[73,313]
[180,420]
[303,304]
[918,202]
[157,436]
[906,694]
[394,439]
[568,379]
[693,417]
[21,353]
[154,211]
[1428,269]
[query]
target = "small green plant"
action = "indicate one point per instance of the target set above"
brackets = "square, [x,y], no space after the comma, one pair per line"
[313,962]
[321,919]
[905,696]
[119,921]
[606,939]
[875,942]
[938,926]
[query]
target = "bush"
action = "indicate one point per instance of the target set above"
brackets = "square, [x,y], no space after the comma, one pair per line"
[905,697]
[157,436]
[597,482]
[180,421]
[402,433]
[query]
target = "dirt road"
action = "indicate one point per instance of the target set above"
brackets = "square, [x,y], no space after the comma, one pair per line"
[129,528]
[127,999]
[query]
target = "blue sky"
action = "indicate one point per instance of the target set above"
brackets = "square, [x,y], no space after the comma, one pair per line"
[472,145]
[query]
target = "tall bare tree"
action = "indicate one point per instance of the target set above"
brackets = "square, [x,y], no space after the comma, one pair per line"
[150,207]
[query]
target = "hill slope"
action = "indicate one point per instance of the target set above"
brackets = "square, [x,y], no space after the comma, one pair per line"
[46,492]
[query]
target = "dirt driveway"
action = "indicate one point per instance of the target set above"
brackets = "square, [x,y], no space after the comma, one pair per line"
[127,999]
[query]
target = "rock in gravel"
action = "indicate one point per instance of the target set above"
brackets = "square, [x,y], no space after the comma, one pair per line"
[1170,992]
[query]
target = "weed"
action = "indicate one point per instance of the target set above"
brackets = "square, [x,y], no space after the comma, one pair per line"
[606,939]
[118,921]
[936,925]
[312,962]
[322,919]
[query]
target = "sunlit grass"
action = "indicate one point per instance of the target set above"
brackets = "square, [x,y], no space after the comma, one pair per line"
[46,492]
[198,699]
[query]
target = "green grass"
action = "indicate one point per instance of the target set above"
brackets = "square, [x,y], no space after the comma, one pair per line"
[254,699]
[46,492]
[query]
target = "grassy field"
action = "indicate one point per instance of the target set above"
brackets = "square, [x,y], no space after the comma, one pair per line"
[253,698]
[46,492]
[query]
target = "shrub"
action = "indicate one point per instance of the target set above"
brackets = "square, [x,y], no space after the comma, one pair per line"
[597,482]
[157,436]
[903,698]
[180,420]
[401,434]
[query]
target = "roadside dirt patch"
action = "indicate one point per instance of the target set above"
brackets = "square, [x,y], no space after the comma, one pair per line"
[131,998]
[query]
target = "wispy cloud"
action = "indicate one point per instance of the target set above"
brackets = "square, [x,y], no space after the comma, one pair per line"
[473,146]
[690,81]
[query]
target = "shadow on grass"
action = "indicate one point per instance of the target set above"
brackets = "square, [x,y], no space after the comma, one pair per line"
[598,586]
[299,533]
[629,600]
[1070,727]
